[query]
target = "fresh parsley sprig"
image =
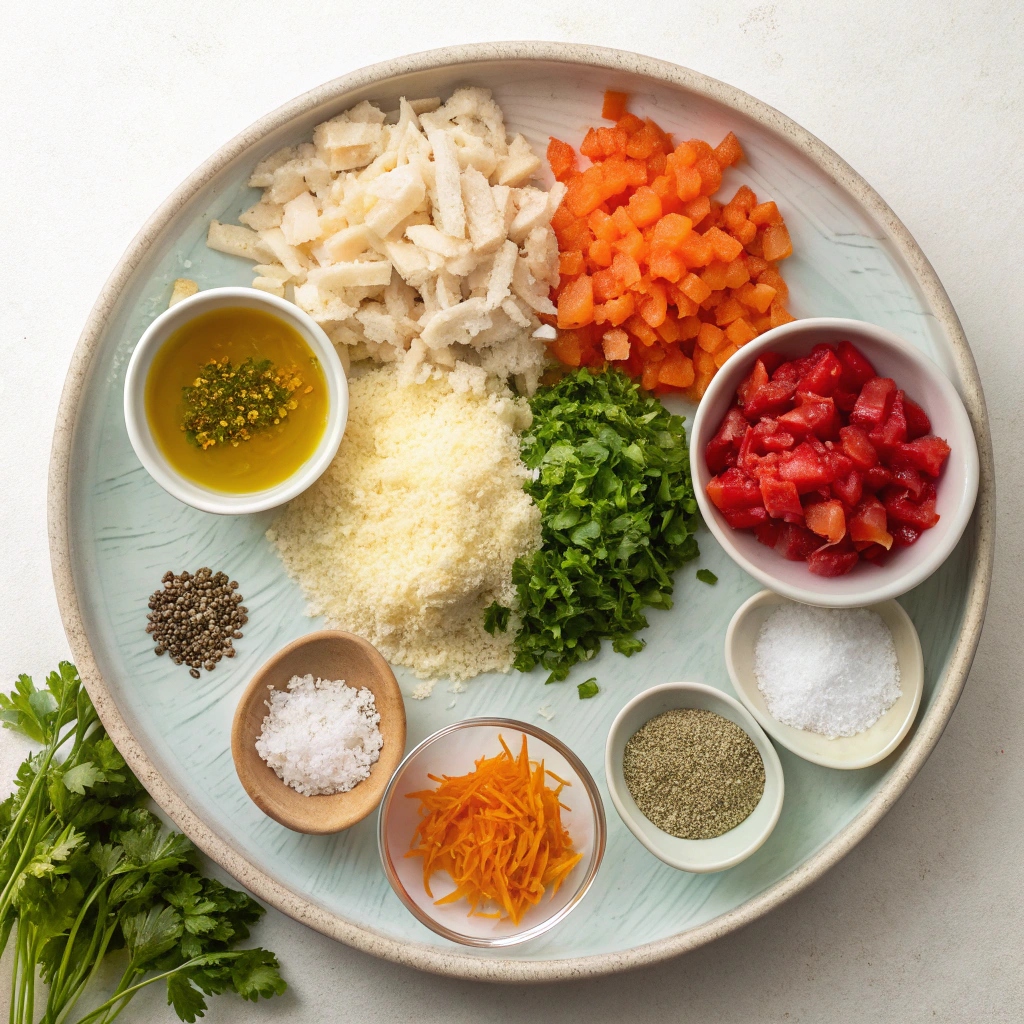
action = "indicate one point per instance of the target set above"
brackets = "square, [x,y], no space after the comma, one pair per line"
[86,869]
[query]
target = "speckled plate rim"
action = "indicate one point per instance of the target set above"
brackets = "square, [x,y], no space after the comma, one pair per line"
[454,962]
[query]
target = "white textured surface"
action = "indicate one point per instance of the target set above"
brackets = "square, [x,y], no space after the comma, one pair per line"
[920,922]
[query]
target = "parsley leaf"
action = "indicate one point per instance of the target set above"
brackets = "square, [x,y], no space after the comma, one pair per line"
[618,518]
[496,618]
[588,688]
[707,576]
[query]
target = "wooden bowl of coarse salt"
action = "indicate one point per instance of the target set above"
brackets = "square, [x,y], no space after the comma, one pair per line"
[327,713]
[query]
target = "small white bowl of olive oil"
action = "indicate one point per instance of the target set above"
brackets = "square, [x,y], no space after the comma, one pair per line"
[235,401]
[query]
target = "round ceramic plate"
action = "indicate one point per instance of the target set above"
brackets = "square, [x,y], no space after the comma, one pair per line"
[114,532]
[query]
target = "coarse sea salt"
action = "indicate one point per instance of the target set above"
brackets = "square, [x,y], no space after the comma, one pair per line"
[321,736]
[829,671]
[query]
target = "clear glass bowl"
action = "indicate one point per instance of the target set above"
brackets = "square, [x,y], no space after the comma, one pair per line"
[454,751]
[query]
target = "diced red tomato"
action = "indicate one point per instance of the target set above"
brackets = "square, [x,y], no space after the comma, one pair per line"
[874,402]
[918,423]
[903,534]
[805,468]
[857,371]
[771,437]
[848,489]
[920,514]
[781,499]
[722,449]
[733,490]
[833,560]
[757,379]
[928,454]
[877,477]
[788,539]
[769,400]
[858,447]
[894,430]
[823,378]
[745,518]
[911,479]
[869,523]
[814,415]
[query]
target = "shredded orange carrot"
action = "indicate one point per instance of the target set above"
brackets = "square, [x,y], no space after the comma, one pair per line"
[498,834]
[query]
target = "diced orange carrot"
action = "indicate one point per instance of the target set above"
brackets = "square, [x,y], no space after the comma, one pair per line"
[756,296]
[714,299]
[665,263]
[590,147]
[756,265]
[612,140]
[776,243]
[688,183]
[616,176]
[637,172]
[562,158]
[745,233]
[585,193]
[570,263]
[723,354]
[684,155]
[670,330]
[703,360]
[602,225]
[644,207]
[672,229]
[656,165]
[710,174]
[607,284]
[773,279]
[765,213]
[695,288]
[626,269]
[780,315]
[566,348]
[653,307]
[636,325]
[629,123]
[728,310]
[729,151]
[736,273]
[685,306]
[576,303]
[724,246]
[713,275]
[649,379]
[620,218]
[690,327]
[745,199]
[615,345]
[739,332]
[710,338]
[697,209]
[614,106]
[676,370]
[696,250]
[615,311]
[631,244]
[600,252]
[762,324]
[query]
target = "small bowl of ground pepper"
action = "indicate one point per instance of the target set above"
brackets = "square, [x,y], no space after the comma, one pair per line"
[693,776]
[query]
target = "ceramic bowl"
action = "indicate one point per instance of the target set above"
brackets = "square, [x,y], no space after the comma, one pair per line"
[957,487]
[453,751]
[697,855]
[325,654]
[148,450]
[859,751]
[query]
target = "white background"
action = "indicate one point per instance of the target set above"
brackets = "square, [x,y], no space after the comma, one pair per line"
[105,107]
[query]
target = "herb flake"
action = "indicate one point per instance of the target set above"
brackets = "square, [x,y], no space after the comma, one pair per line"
[707,576]
[588,688]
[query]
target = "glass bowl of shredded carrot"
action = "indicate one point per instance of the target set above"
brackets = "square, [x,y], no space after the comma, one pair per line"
[491,831]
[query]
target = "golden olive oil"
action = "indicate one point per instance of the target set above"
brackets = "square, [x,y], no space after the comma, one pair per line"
[271,454]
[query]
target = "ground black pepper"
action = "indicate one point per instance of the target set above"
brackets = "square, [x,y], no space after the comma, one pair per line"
[693,773]
[196,618]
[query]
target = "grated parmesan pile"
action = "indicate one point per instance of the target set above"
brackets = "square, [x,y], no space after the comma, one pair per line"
[412,531]
[320,736]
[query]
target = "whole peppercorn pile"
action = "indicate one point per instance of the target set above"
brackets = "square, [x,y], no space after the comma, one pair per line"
[196,618]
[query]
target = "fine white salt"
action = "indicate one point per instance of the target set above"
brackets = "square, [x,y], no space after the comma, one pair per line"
[829,671]
[320,736]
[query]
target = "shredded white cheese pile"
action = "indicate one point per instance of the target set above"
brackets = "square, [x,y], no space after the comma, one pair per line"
[412,531]
[412,238]
[320,736]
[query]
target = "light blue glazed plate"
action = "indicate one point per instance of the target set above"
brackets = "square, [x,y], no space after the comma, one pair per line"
[114,533]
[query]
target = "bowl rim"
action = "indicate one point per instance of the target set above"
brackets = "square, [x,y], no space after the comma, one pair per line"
[145,445]
[596,805]
[752,728]
[771,725]
[949,686]
[869,593]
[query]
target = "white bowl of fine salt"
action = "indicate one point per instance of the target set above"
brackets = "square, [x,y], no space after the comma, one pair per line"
[840,687]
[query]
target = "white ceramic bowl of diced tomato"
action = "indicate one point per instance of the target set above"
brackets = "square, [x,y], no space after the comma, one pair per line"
[858,473]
